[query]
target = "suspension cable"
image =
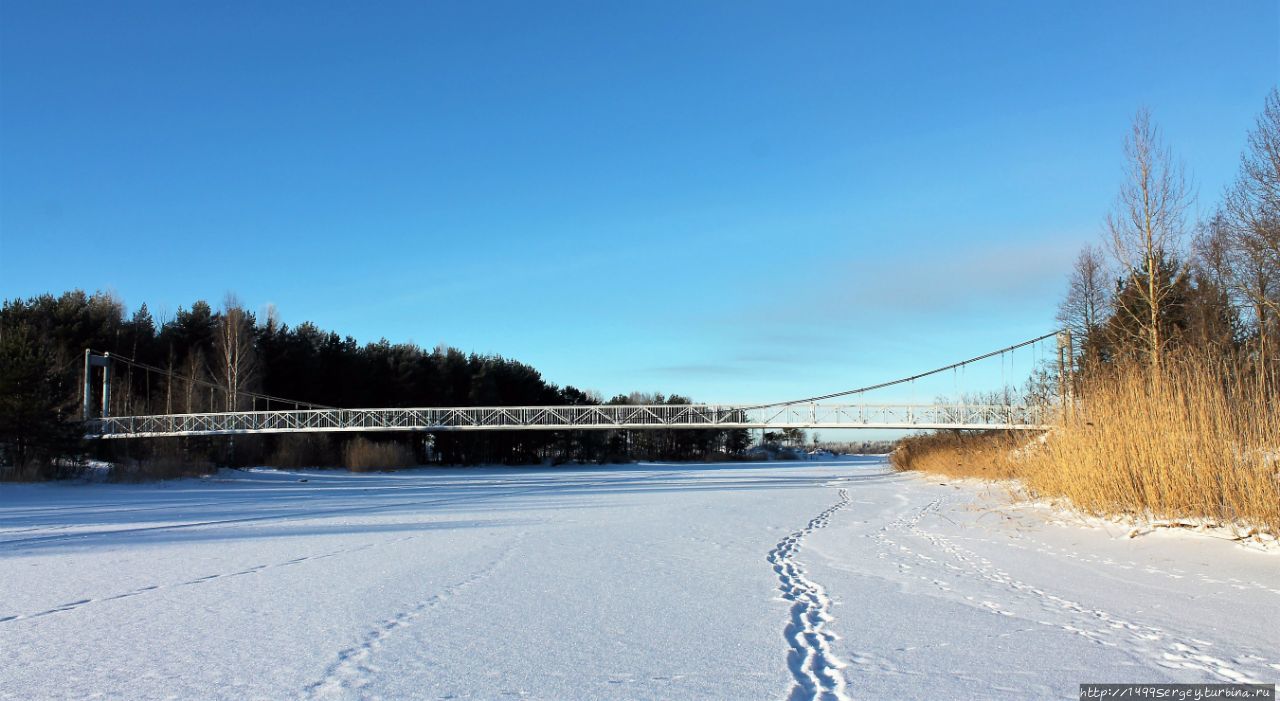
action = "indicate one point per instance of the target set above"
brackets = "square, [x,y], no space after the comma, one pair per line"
[891,383]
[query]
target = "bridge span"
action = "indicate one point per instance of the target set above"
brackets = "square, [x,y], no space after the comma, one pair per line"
[807,413]
[577,418]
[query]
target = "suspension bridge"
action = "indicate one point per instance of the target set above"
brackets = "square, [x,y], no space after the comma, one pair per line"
[808,413]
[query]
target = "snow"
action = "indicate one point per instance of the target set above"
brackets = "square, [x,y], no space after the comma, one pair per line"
[819,579]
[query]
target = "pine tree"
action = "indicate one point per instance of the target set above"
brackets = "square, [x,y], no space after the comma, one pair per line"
[1129,329]
[35,410]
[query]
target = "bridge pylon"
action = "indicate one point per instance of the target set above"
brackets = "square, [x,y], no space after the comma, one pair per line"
[92,361]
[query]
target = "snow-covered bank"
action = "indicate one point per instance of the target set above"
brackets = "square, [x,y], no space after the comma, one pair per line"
[639,581]
[1061,511]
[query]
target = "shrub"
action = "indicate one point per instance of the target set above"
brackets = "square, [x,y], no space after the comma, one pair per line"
[361,454]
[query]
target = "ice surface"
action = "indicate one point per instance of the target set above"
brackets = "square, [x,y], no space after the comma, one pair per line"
[834,579]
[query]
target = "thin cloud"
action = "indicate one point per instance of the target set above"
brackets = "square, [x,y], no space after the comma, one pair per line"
[697,370]
[861,316]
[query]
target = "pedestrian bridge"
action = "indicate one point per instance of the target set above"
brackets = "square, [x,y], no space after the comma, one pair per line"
[808,413]
[576,418]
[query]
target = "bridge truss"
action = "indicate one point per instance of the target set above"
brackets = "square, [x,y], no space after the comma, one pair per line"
[577,418]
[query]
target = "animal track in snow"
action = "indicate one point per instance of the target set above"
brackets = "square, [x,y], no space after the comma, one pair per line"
[71,606]
[352,670]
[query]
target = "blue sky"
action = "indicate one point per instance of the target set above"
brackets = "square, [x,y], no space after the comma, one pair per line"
[734,201]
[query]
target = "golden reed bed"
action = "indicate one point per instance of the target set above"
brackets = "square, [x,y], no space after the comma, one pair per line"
[1193,441]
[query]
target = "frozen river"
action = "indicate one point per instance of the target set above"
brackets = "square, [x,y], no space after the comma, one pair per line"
[650,581]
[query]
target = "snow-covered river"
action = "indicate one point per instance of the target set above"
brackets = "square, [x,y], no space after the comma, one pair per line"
[832,580]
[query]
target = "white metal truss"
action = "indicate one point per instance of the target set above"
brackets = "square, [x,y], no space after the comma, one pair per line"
[578,417]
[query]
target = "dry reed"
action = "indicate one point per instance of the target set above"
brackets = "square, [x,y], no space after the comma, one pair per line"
[361,454]
[956,454]
[301,450]
[1194,441]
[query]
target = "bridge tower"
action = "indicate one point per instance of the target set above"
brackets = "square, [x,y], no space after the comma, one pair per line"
[92,361]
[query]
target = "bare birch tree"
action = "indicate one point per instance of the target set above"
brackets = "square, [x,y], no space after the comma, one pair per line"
[1213,317]
[1088,297]
[194,368]
[235,351]
[1253,210]
[1146,224]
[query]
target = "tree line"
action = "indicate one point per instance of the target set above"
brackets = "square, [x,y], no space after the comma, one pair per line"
[1160,286]
[228,359]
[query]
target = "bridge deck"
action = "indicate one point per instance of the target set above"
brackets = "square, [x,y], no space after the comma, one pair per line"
[579,417]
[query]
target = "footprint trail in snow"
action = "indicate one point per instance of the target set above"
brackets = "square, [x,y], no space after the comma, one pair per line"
[816,669]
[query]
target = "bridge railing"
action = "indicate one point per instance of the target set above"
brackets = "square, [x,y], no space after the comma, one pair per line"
[578,417]
[819,415]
